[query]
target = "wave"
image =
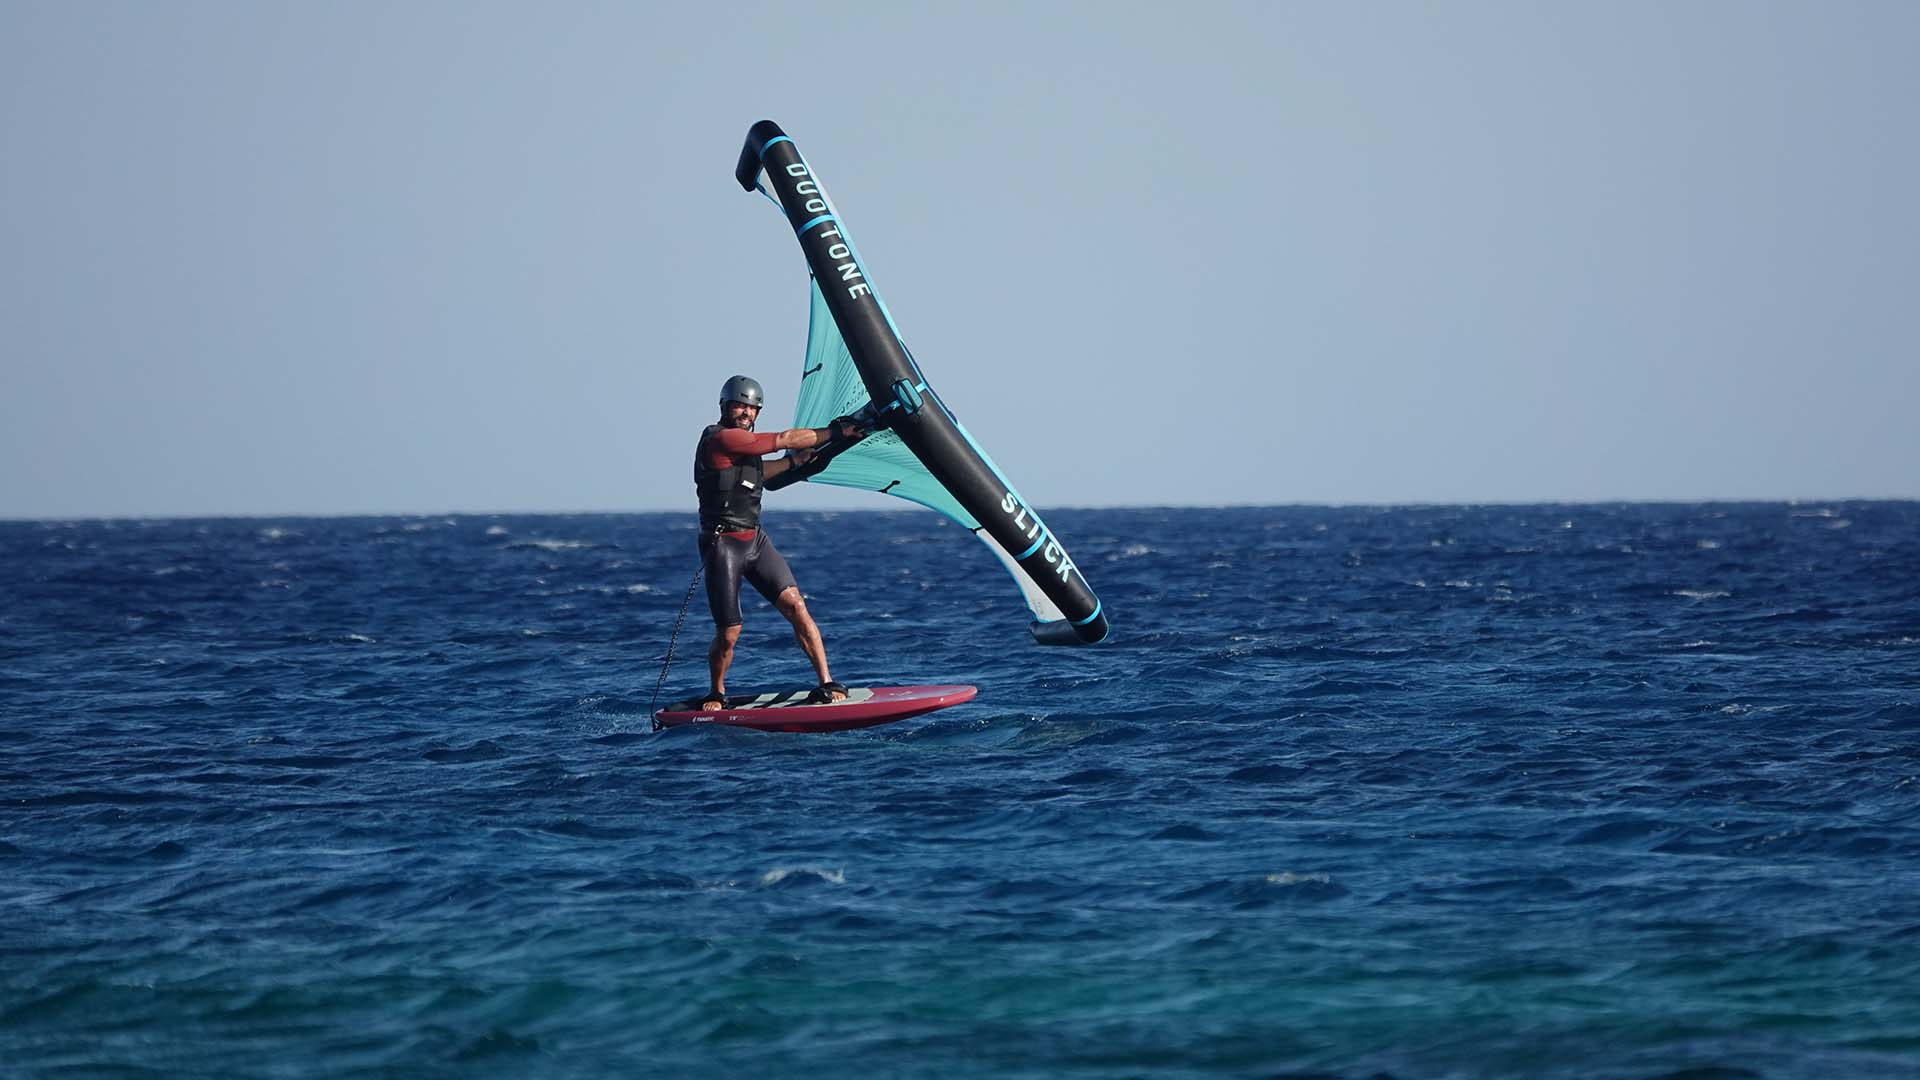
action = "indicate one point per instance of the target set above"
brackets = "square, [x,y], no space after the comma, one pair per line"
[790,876]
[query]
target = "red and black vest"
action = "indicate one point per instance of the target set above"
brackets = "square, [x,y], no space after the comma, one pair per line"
[729,497]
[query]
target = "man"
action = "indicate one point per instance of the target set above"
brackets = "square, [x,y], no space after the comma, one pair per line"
[729,475]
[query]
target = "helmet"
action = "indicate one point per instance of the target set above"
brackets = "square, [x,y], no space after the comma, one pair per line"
[744,390]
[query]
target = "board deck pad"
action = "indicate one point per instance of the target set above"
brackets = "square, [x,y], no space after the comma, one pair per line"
[788,710]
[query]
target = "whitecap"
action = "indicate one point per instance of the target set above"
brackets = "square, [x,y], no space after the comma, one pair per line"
[636,590]
[781,873]
[1288,877]
[553,545]
[496,530]
[1700,594]
[1740,709]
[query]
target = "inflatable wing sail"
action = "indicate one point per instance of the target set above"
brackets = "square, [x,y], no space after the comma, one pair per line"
[919,451]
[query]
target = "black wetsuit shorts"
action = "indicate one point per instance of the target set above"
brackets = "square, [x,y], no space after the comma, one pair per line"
[727,560]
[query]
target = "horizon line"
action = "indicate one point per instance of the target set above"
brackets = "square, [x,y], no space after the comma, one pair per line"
[9,519]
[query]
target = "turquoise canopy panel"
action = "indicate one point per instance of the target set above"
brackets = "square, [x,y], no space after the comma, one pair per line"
[830,387]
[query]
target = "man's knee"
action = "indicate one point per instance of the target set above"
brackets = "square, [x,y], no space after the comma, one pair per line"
[790,604]
[725,636]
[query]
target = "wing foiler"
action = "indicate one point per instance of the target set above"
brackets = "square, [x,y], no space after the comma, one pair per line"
[918,451]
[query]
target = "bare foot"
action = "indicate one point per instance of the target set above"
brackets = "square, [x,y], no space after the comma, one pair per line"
[714,702]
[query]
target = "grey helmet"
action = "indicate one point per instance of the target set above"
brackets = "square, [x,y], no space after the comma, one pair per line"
[743,390]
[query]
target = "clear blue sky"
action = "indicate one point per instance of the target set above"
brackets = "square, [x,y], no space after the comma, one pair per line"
[432,257]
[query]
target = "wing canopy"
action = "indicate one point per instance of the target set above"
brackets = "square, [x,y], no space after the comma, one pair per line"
[855,358]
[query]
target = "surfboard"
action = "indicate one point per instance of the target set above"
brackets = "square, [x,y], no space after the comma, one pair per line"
[788,710]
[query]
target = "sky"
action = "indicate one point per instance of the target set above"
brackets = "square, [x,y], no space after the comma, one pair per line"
[424,257]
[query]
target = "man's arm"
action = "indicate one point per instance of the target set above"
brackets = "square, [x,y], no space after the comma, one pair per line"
[782,464]
[736,441]
[740,443]
[805,440]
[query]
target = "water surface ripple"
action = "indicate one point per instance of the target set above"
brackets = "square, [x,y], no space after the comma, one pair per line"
[1549,791]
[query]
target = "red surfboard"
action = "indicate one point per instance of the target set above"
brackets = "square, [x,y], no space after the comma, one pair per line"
[787,710]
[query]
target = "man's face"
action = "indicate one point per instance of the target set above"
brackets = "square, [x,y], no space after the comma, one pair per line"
[739,414]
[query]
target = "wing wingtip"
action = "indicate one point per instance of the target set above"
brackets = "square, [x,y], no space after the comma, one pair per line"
[1063,632]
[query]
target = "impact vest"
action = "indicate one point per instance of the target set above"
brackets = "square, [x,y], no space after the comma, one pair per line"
[729,497]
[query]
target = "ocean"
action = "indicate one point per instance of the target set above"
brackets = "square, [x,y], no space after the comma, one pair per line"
[1611,791]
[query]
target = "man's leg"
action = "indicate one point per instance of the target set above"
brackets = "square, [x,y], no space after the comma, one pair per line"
[806,633]
[719,659]
[723,558]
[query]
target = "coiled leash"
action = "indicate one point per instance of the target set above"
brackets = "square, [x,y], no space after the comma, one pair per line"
[671,642]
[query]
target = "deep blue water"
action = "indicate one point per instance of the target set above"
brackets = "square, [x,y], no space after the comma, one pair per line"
[1547,791]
